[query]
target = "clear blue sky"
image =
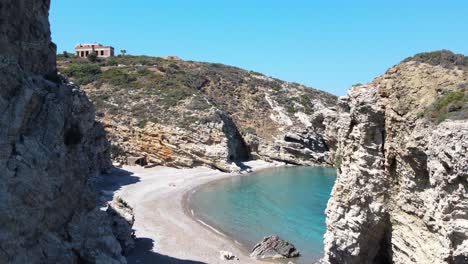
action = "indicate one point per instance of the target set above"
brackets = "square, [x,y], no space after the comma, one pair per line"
[328,45]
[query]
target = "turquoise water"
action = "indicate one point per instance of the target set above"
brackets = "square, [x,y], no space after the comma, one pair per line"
[288,201]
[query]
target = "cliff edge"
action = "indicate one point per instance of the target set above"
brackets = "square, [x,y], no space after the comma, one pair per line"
[401,194]
[50,144]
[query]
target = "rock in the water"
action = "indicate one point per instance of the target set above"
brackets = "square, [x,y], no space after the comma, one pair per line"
[275,248]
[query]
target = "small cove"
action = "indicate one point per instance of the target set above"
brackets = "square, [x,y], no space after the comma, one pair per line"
[287,201]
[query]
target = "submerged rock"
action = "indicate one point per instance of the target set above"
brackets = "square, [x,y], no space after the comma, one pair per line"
[274,247]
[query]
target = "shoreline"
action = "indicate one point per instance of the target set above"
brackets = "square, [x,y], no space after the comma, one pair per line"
[190,211]
[164,227]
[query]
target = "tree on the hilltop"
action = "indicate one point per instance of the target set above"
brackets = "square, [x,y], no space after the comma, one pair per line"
[123,52]
[92,57]
[65,54]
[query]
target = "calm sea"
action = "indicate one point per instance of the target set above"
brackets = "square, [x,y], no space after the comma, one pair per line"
[287,201]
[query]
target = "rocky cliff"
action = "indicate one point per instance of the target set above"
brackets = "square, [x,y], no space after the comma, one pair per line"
[50,144]
[401,194]
[184,113]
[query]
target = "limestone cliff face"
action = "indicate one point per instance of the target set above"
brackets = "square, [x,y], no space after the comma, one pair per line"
[184,113]
[216,143]
[50,144]
[401,194]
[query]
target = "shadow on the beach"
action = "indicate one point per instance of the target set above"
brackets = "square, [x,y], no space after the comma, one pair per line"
[108,184]
[143,254]
[242,165]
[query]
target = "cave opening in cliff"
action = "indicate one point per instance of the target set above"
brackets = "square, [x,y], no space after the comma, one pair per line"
[137,161]
[385,253]
[237,147]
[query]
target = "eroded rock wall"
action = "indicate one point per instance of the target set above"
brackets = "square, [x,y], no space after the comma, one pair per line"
[50,144]
[216,143]
[401,194]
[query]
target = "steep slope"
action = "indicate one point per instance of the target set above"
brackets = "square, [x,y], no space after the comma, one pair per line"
[401,194]
[184,113]
[50,145]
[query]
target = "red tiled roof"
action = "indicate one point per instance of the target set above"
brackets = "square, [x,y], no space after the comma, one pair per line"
[90,46]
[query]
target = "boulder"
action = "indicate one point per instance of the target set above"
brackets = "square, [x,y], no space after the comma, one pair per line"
[274,247]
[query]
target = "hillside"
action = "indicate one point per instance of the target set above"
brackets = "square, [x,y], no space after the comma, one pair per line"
[402,143]
[185,113]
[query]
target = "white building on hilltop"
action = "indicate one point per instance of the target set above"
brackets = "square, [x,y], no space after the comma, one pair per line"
[83,50]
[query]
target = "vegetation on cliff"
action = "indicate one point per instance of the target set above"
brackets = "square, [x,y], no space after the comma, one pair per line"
[442,81]
[444,58]
[451,101]
[451,105]
[152,85]
[143,92]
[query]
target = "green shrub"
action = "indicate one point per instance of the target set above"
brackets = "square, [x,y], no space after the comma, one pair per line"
[111,62]
[420,115]
[453,104]
[83,73]
[143,72]
[445,58]
[170,96]
[117,77]
[198,103]
[142,123]
[291,109]
[306,102]
[92,57]
[276,86]
[250,130]
[449,99]
[338,162]
[117,151]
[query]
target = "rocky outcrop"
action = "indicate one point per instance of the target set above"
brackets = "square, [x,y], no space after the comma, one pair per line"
[216,143]
[401,193]
[273,247]
[184,114]
[50,144]
[122,217]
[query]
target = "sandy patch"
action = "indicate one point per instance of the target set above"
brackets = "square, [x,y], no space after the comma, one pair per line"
[166,234]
